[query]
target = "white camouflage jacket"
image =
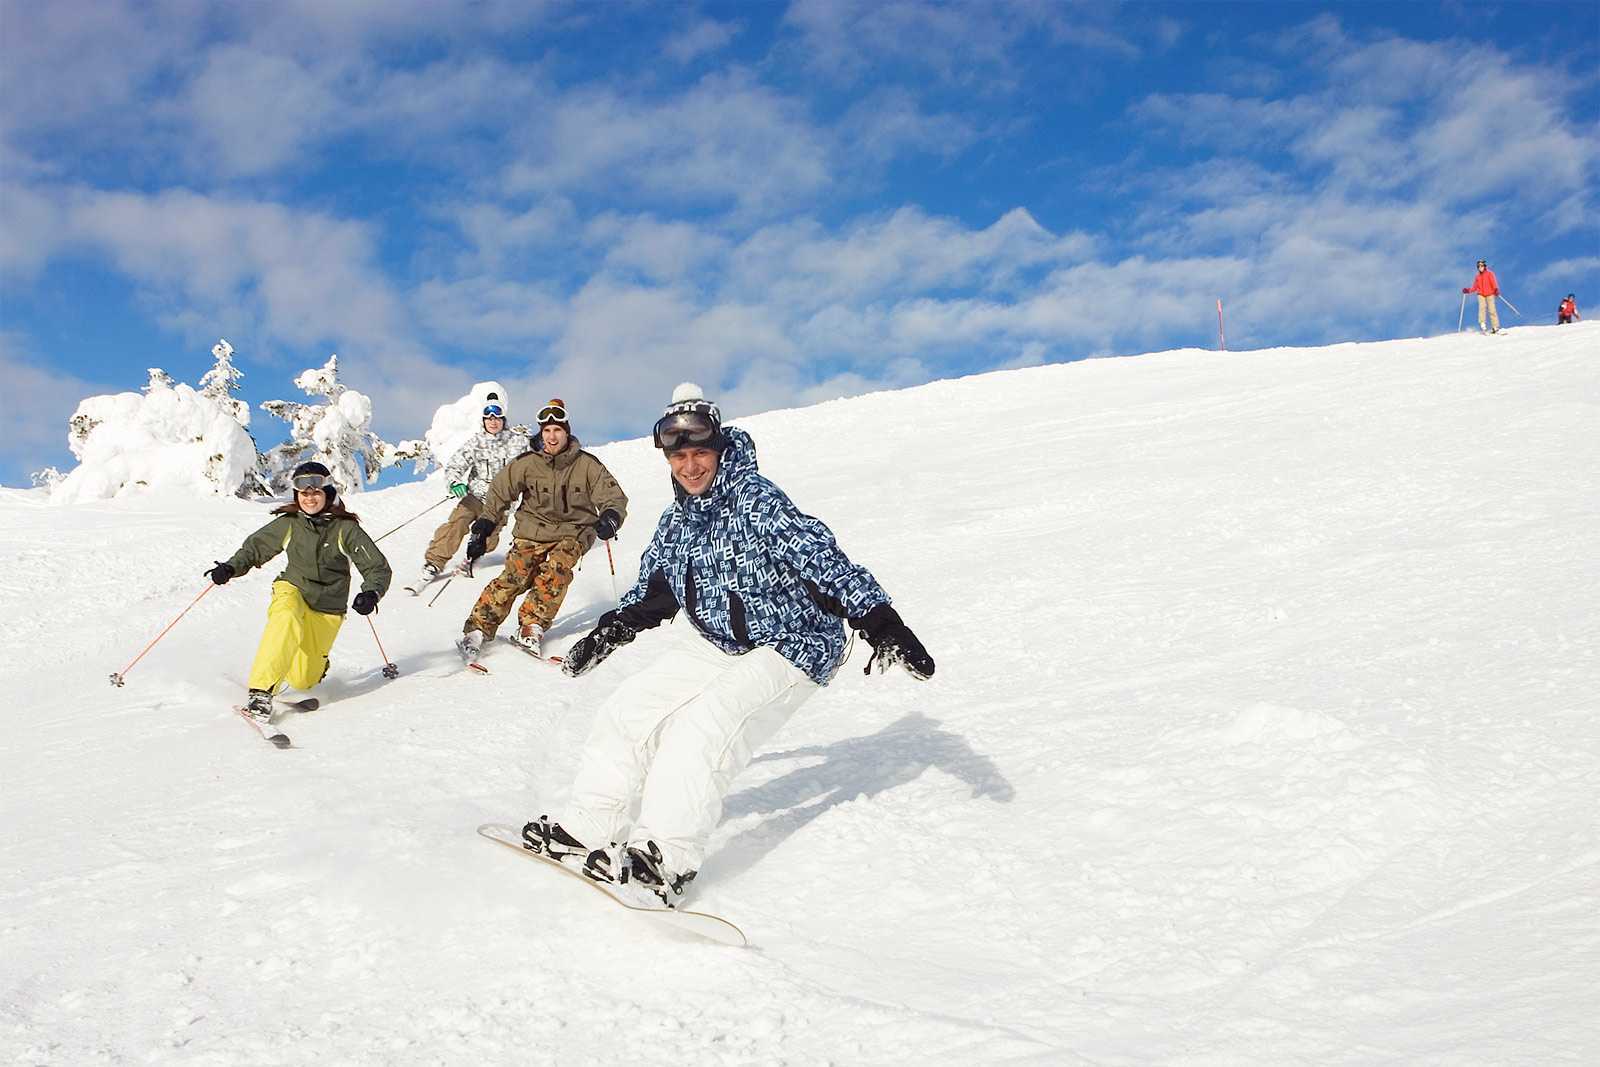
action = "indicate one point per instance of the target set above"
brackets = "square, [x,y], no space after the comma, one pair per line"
[483,456]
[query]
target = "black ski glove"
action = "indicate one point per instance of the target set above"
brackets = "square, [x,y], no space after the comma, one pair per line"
[893,642]
[595,646]
[610,522]
[366,602]
[221,572]
[478,543]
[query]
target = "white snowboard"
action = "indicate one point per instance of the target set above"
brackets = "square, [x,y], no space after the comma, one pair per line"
[700,923]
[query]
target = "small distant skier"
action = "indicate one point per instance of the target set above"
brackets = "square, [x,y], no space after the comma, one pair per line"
[1487,289]
[468,474]
[763,588]
[320,541]
[1568,311]
[568,500]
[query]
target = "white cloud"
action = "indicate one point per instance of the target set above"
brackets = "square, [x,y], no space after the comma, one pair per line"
[492,313]
[971,43]
[256,112]
[727,141]
[703,38]
[37,404]
[888,123]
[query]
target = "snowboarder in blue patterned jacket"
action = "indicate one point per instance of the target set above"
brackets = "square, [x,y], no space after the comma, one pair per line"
[763,588]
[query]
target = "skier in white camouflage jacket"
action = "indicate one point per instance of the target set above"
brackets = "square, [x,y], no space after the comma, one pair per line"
[468,474]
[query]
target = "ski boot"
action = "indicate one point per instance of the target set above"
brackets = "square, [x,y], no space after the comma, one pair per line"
[530,639]
[642,866]
[429,573]
[259,706]
[547,837]
[470,645]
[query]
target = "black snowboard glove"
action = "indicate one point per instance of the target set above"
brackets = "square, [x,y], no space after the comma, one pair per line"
[221,572]
[366,602]
[595,646]
[610,522]
[478,543]
[893,642]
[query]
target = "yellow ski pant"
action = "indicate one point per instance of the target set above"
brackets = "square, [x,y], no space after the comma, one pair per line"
[294,646]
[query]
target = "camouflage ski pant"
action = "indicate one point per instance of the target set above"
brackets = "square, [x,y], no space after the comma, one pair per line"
[543,569]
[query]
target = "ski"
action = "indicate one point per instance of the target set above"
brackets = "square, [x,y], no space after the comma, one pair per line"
[421,582]
[554,661]
[277,737]
[699,923]
[306,704]
[478,668]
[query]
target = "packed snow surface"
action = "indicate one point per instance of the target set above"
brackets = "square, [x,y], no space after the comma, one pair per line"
[1266,729]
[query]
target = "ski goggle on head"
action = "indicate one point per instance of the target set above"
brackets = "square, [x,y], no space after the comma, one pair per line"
[311,481]
[553,413]
[494,411]
[687,429]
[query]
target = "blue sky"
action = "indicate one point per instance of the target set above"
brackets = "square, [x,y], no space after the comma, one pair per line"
[786,202]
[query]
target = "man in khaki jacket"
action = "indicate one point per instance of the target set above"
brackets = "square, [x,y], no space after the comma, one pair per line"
[567,500]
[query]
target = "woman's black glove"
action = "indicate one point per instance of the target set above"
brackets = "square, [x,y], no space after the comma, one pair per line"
[595,646]
[610,522]
[366,602]
[478,543]
[893,642]
[221,572]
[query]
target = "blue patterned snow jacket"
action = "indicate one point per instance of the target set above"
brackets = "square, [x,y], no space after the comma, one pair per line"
[751,569]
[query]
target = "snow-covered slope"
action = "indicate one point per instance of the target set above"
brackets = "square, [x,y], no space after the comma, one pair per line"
[1266,730]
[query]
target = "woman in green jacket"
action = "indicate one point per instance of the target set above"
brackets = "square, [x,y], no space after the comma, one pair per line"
[320,540]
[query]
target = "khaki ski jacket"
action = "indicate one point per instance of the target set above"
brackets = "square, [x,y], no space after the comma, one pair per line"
[561,496]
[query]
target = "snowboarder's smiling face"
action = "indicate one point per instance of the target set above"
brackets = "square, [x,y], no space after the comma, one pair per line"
[693,468]
[555,437]
[493,423]
[311,501]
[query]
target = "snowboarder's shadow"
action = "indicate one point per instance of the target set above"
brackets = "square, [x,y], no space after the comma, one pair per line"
[854,767]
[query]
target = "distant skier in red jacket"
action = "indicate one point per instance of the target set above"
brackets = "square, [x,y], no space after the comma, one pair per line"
[1568,311]
[1487,289]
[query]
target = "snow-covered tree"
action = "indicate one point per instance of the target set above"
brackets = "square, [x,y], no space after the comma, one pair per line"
[170,436]
[335,433]
[222,381]
[48,478]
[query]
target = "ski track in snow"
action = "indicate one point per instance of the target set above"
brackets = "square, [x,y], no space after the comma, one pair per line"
[1265,731]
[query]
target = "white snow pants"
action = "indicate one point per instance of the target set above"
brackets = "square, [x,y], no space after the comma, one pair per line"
[667,745]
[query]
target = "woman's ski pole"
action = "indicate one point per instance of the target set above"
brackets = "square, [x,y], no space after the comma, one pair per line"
[1463,316]
[116,678]
[412,519]
[1510,305]
[389,669]
[442,588]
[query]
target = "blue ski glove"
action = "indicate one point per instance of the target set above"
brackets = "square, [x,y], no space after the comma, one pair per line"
[458,489]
